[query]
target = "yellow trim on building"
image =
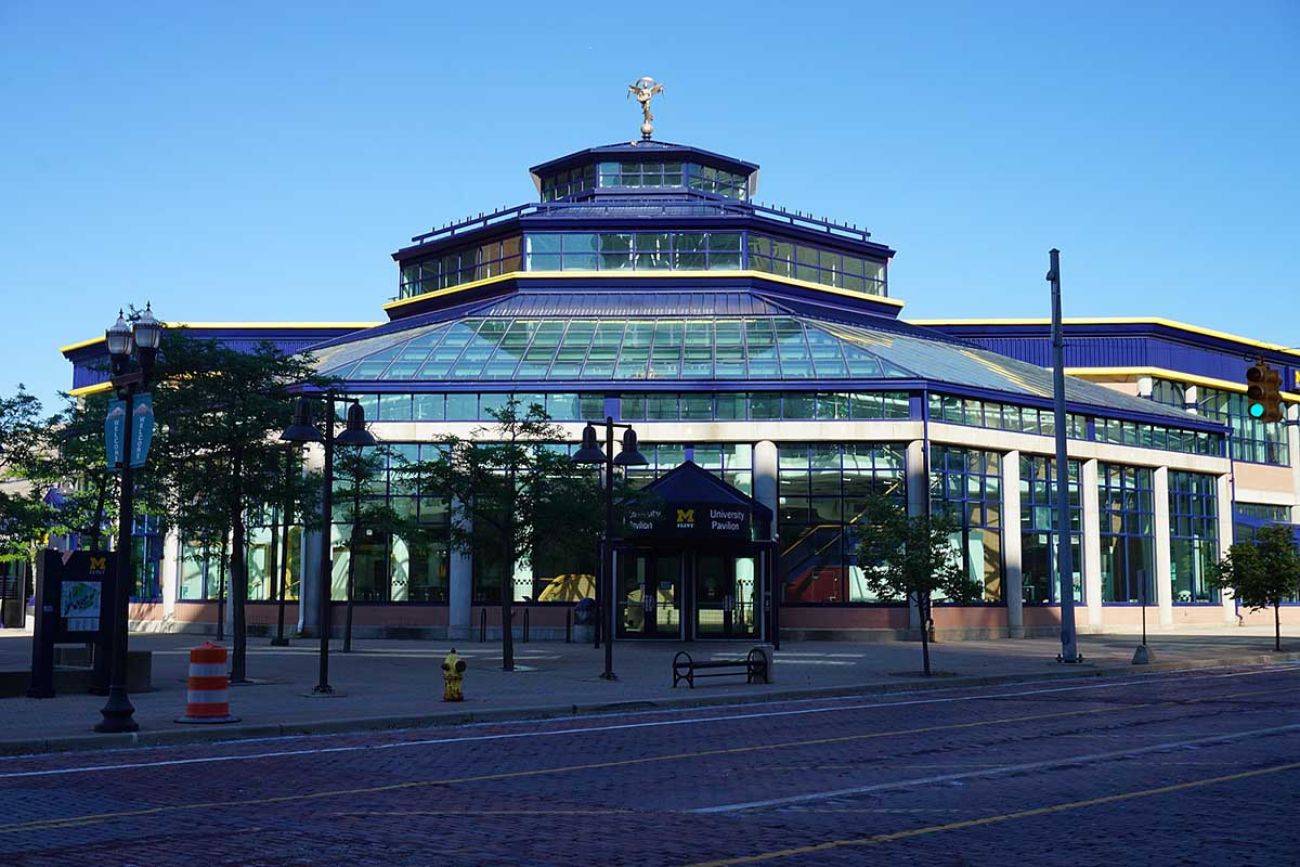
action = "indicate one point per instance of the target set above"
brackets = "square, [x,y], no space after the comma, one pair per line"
[353,325]
[1118,373]
[90,389]
[685,275]
[1117,320]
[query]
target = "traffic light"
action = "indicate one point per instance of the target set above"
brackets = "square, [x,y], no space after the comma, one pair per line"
[1264,392]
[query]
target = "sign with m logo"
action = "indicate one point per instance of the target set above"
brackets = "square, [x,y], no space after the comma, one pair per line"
[97,565]
[685,517]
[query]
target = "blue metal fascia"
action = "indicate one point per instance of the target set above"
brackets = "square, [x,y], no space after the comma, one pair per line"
[1127,344]
[468,238]
[658,149]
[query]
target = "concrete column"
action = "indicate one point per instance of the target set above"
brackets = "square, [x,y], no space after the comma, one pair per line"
[1223,491]
[1164,572]
[460,592]
[1012,592]
[1191,398]
[1091,540]
[169,574]
[766,489]
[918,494]
[1293,452]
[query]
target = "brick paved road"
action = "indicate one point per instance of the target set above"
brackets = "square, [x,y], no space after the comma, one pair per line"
[1195,767]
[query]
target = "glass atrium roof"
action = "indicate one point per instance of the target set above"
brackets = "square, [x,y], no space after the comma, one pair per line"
[503,348]
[508,348]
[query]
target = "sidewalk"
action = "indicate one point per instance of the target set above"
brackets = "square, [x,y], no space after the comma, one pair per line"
[397,684]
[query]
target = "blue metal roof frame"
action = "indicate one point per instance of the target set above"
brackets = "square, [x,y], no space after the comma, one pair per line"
[642,149]
[1127,344]
[827,303]
[800,352]
[686,209]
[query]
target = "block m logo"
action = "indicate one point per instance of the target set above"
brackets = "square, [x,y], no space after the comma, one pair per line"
[98,564]
[686,516]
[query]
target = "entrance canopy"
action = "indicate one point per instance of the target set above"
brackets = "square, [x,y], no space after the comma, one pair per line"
[690,504]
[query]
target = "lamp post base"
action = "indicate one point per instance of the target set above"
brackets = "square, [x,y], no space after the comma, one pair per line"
[608,675]
[322,689]
[118,714]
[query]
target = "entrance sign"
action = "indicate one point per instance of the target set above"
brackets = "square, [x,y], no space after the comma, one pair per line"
[74,590]
[727,520]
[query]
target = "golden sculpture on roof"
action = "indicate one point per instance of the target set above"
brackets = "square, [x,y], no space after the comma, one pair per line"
[645,88]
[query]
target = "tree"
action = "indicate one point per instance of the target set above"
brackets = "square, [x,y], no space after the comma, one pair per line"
[355,470]
[1262,573]
[25,517]
[911,557]
[71,461]
[225,408]
[510,492]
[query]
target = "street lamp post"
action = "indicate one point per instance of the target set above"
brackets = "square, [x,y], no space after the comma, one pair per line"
[354,434]
[591,453]
[126,343]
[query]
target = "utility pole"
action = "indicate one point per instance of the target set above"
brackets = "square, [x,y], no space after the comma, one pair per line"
[1064,551]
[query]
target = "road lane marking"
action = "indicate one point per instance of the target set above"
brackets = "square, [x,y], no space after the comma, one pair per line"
[879,839]
[991,772]
[393,745]
[94,818]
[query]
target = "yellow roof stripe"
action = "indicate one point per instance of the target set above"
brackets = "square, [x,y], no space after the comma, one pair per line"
[353,325]
[684,275]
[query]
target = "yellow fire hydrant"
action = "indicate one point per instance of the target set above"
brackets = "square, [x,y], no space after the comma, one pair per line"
[453,672]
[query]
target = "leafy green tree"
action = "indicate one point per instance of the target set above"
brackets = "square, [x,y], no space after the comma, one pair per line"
[913,558]
[1262,573]
[224,408]
[356,471]
[71,461]
[24,516]
[512,491]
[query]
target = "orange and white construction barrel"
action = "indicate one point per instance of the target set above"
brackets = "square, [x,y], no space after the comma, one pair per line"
[207,697]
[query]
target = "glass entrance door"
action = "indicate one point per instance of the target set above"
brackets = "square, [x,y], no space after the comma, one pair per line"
[650,595]
[726,595]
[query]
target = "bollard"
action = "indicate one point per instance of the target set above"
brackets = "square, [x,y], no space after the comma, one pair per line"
[453,672]
[526,612]
[568,626]
[207,696]
[482,625]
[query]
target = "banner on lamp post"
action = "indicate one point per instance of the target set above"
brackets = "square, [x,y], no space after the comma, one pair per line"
[141,429]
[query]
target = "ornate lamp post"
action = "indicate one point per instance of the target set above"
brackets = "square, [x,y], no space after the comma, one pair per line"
[132,348]
[354,434]
[607,586]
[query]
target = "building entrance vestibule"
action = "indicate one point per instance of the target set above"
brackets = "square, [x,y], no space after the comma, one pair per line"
[685,593]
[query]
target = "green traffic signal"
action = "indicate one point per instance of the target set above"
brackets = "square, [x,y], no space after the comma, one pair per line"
[1256,410]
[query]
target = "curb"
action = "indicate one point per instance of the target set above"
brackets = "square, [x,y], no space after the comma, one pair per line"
[174,737]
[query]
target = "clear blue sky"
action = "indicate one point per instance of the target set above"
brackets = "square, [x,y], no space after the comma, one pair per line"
[259,161]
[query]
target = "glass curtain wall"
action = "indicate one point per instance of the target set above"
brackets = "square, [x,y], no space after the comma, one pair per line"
[1193,536]
[823,489]
[1252,440]
[392,567]
[1127,516]
[967,484]
[1038,532]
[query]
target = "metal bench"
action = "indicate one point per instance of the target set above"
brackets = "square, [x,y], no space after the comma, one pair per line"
[753,666]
